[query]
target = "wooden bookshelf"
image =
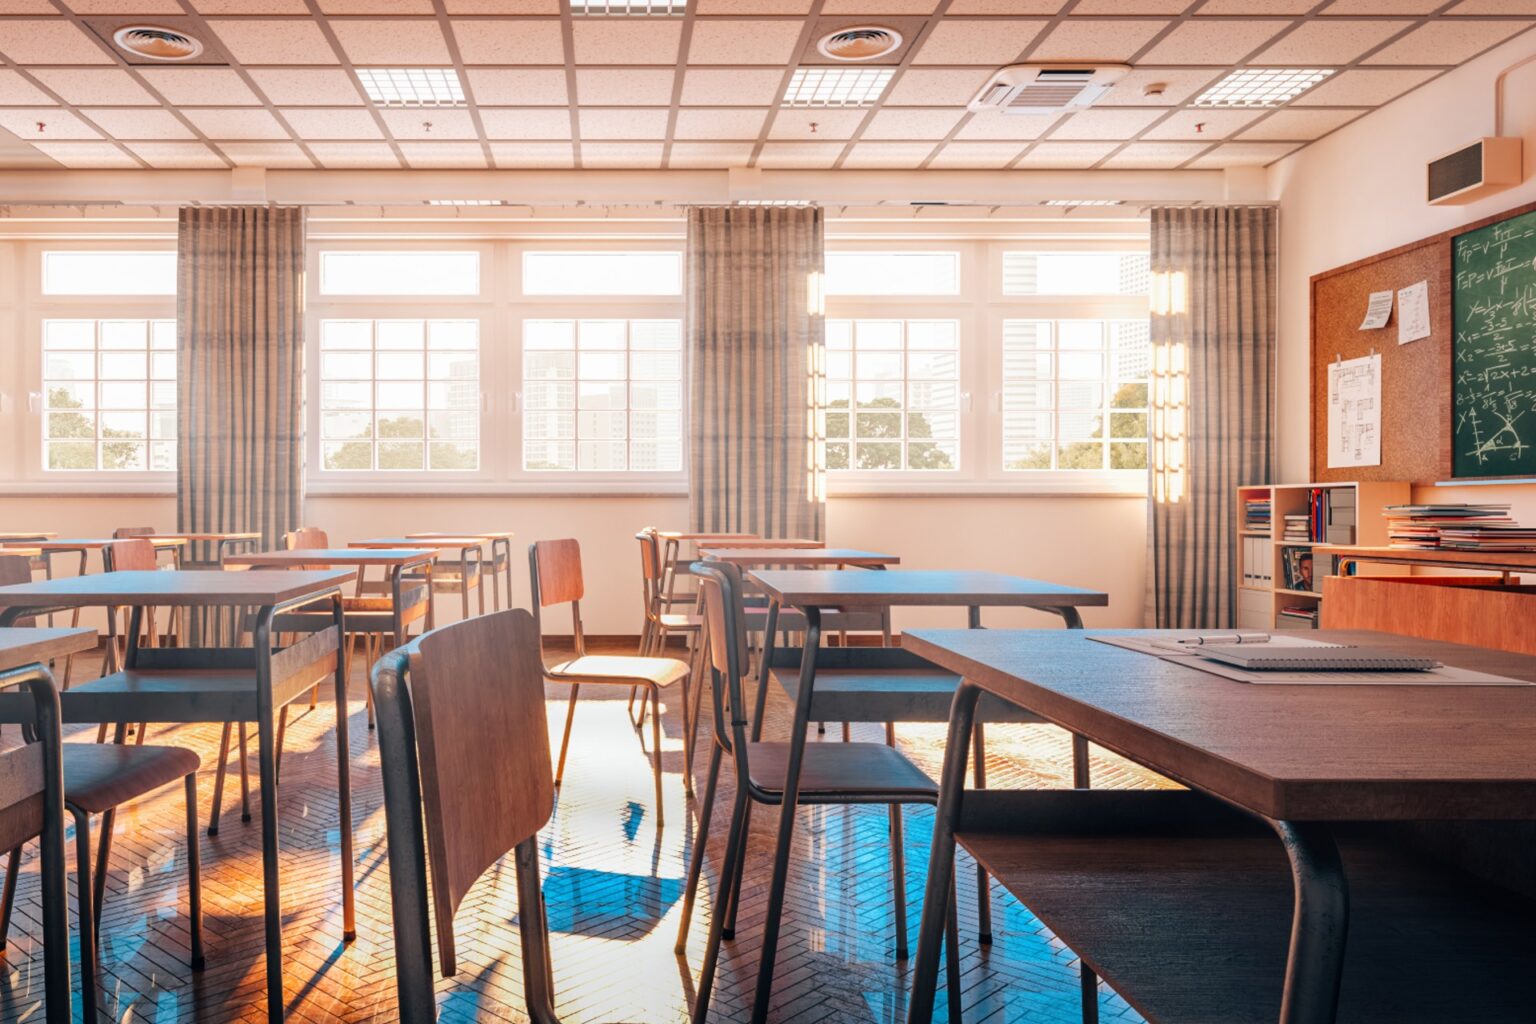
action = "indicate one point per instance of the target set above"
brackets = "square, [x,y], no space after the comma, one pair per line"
[1262,591]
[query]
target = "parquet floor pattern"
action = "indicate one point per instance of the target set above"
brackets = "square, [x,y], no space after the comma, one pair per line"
[614,886]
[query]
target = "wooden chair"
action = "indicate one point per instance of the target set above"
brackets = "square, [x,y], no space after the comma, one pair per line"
[831,773]
[127,555]
[32,806]
[659,625]
[555,577]
[459,576]
[464,750]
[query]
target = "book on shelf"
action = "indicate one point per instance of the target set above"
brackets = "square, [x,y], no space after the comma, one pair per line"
[1257,514]
[1487,536]
[1296,617]
[1425,527]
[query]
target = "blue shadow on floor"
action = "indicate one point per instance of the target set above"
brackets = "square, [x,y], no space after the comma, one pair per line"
[582,901]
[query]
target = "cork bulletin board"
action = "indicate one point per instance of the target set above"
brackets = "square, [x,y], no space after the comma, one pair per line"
[1416,415]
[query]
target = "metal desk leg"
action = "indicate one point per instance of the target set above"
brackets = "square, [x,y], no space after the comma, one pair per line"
[787,816]
[770,629]
[1315,964]
[941,859]
[1081,765]
[983,883]
[266,733]
[344,778]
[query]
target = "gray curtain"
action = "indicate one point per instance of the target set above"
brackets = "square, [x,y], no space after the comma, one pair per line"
[756,339]
[240,351]
[1212,422]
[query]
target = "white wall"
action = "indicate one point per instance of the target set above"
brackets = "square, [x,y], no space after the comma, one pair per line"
[1361,191]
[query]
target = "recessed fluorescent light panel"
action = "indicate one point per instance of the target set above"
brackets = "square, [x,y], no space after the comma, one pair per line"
[628,8]
[836,87]
[1261,87]
[1084,202]
[464,202]
[774,202]
[412,87]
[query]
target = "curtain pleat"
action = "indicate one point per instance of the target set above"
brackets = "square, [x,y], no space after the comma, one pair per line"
[1213,339]
[756,342]
[240,345]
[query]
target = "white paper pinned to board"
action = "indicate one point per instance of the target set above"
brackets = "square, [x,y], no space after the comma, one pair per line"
[1413,312]
[1354,412]
[1378,311]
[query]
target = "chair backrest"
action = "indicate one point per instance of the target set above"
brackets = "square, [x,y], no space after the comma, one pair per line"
[133,531]
[134,554]
[554,577]
[470,729]
[650,571]
[16,569]
[725,627]
[306,538]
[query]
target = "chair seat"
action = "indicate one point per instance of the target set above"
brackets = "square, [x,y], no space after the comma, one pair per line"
[675,623]
[863,770]
[101,776]
[382,603]
[613,668]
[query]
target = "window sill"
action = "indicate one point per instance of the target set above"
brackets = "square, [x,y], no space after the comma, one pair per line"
[985,489]
[415,487]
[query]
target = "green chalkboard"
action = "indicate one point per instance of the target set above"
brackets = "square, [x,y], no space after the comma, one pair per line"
[1493,375]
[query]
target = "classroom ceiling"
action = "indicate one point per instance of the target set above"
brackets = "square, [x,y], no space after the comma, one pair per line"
[279,82]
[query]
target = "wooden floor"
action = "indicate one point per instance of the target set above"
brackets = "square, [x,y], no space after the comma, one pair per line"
[613,884]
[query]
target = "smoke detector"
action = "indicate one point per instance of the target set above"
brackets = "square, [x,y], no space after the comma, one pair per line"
[155,43]
[1047,88]
[861,42]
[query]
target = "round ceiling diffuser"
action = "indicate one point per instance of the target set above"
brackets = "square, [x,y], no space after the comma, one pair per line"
[154,43]
[865,42]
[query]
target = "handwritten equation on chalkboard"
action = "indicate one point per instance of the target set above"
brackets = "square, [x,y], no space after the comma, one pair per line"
[1493,311]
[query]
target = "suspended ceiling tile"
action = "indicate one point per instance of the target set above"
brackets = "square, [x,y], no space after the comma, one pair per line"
[258,41]
[251,6]
[879,6]
[1326,42]
[1258,6]
[1213,41]
[977,154]
[610,123]
[27,7]
[875,155]
[430,124]
[526,123]
[641,155]
[139,123]
[302,87]
[1099,39]
[502,6]
[265,154]
[810,125]
[719,123]
[50,42]
[449,155]
[1447,42]
[1194,125]
[697,155]
[535,41]
[1066,155]
[620,41]
[1131,6]
[790,155]
[519,87]
[1244,154]
[754,6]
[211,86]
[990,124]
[1105,123]
[392,43]
[1177,85]
[706,87]
[124,6]
[354,155]
[16,91]
[86,155]
[1154,155]
[177,155]
[1365,88]
[932,87]
[44,124]
[1299,124]
[911,123]
[376,6]
[533,154]
[1494,7]
[331,123]
[624,87]
[1341,7]
[89,86]
[1015,7]
[961,41]
[235,123]
[728,41]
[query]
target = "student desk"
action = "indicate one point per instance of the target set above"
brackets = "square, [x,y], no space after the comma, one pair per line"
[501,554]
[803,558]
[1230,903]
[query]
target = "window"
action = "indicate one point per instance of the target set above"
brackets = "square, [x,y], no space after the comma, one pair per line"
[72,272]
[1076,273]
[109,395]
[417,272]
[893,273]
[400,395]
[893,394]
[602,273]
[1075,394]
[602,395]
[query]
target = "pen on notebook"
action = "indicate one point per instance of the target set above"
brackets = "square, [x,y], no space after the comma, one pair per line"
[1225,638]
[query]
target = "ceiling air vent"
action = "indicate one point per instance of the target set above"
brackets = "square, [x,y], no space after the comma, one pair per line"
[1047,88]
[154,43]
[862,42]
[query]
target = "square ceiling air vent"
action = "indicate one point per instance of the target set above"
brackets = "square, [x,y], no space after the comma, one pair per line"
[1047,88]
[158,40]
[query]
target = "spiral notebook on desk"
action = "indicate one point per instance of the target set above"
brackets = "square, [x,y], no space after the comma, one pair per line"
[1267,658]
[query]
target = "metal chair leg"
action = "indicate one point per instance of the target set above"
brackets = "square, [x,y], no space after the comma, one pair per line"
[898,882]
[733,898]
[736,837]
[194,877]
[103,856]
[656,752]
[245,777]
[538,970]
[8,894]
[218,781]
[565,739]
[983,886]
[952,956]
[282,732]
[700,842]
[88,917]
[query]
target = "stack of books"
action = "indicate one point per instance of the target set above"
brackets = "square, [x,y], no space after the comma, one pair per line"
[1485,536]
[1297,528]
[1421,527]
[1256,515]
[1297,617]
